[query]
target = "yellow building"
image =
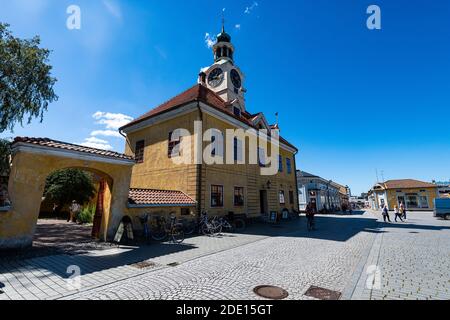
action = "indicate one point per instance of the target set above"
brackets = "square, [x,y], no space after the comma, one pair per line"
[210,108]
[414,194]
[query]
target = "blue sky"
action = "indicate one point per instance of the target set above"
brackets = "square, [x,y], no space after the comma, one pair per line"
[353,100]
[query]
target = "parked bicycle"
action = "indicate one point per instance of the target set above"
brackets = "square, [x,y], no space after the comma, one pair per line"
[161,229]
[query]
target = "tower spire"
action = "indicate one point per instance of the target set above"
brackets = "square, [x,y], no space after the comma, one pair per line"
[223,20]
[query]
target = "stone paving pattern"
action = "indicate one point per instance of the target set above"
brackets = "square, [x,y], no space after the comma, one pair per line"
[413,259]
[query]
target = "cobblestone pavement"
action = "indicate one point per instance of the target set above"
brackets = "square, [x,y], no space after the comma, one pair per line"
[293,260]
[335,257]
[413,260]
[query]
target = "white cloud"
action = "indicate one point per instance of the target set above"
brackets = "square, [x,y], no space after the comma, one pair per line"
[111,120]
[249,9]
[210,40]
[113,8]
[106,133]
[93,142]
[238,27]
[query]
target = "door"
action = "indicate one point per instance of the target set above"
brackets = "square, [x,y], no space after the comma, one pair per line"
[263,201]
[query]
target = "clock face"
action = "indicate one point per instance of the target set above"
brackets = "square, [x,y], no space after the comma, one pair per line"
[215,78]
[236,79]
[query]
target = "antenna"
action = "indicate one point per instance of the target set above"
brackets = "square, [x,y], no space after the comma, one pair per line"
[382,175]
[376,172]
[276,115]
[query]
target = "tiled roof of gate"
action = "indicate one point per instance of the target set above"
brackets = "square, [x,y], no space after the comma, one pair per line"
[200,93]
[45,142]
[159,197]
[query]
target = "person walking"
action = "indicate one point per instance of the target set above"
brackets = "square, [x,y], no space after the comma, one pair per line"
[398,214]
[386,213]
[74,210]
[403,210]
[310,212]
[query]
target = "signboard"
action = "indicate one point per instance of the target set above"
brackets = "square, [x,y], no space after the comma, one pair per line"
[273,216]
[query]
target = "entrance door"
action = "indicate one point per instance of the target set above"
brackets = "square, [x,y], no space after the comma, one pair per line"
[263,202]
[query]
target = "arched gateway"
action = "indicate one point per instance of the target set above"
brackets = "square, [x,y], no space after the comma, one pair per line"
[34,159]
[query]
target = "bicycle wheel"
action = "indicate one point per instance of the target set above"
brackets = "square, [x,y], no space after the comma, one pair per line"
[239,225]
[189,228]
[206,229]
[177,235]
[159,234]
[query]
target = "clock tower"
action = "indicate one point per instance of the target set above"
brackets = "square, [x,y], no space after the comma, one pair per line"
[224,77]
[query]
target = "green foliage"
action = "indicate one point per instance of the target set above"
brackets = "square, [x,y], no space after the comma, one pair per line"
[64,186]
[26,84]
[5,152]
[87,214]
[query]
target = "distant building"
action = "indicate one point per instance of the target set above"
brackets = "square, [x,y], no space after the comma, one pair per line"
[414,194]
[443,189]
[320,192]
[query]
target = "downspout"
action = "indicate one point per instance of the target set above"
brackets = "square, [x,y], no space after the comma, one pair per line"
[296,181]
[199,169]
[126,139]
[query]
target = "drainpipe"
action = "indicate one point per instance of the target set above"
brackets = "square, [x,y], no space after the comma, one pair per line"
[296,181]
[199,169]
[126,139]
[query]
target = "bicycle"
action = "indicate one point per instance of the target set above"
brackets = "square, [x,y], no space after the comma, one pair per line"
[163,230]
[206,227]
[145,230]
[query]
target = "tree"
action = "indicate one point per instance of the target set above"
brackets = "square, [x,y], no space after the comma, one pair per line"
[5,152]
[64,186]
[26,84]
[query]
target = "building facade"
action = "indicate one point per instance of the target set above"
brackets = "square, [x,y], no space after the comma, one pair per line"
[321,193]
[414,194]
[205,112]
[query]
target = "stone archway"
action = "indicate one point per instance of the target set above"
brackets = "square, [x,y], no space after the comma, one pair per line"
[33,160]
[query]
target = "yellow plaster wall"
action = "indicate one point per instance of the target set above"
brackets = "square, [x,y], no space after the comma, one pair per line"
[26,186]
[159,172]
[429,192]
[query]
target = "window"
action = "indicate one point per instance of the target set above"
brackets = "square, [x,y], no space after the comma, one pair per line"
[280,164]
[237,150]
[424,202]
[282,200]
[288,166]
[238,196]
[185,211]
[174,147]
[237,111]
[139,151]
[213,151]
[411,202]
[291,197]
[216,196]
[261,157]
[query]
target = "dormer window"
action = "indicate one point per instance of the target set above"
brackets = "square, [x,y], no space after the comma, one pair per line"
[237,111]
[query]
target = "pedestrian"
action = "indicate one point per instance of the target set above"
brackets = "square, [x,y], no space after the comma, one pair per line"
[74,210]
[403,210]
[397,214]
[310,212]
[386,213]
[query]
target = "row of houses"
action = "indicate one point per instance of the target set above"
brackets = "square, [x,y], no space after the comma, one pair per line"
[322,194]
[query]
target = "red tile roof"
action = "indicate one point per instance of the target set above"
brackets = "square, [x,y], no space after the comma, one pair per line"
[45,142]
[150,197]
[198,93]
[407,183]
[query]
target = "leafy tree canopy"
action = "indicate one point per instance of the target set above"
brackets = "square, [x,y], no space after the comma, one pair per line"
[64,186]
[5,152]
[26,84]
